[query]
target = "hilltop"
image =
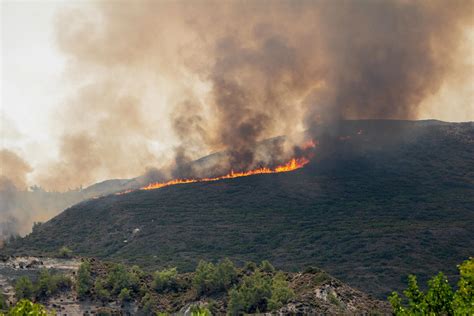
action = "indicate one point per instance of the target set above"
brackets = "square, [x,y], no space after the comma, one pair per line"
[380,199]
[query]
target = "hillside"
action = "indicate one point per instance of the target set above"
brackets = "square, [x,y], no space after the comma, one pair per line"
[381,199]
[308,292]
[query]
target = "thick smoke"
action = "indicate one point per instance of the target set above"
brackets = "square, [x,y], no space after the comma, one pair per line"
[209,76]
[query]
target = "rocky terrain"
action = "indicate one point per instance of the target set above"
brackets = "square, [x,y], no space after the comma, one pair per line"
[65,303]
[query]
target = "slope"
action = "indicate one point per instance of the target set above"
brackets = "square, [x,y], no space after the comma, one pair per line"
[380,200]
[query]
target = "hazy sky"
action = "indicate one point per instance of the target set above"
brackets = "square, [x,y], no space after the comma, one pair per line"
[31,78]
[33,87]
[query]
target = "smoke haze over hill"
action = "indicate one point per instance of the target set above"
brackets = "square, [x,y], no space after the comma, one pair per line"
[239,72]
[160,84]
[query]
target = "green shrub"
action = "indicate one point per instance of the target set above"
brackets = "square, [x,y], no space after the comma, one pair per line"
[125,295]
[165,279]
[463,299]
[24,288]
[267,267]
[26,307]
[210,278]
[440,298]
[252,295]
[198,310]
[120,278]
[64,252]
[101,291]
[204,277]
[137,271]
[226,274]
[148,304]
[281,293]
[84,281]
[49,284]
[250,266]
[45,286]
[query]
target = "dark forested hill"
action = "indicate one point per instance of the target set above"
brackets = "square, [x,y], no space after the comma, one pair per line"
[381,199]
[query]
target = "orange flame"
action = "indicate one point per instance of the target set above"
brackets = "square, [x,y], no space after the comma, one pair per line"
[293,164]
[309,144]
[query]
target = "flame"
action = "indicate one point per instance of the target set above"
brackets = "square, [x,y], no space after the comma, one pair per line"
[309,144]
[293,164]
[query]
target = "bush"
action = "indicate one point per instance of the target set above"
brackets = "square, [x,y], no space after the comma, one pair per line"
[250,266]
[463,298]
[210,278]
[26,307]
[251,295]
[84,282]
[148,304]
[119,278]
[65,252]
[440,298]
[165,279]
[198,310]
[24,288]
[45,286]
[281,293]
[124,295]
[259,293]
[50,284]
[101,291]
[203,280]
[226,274]
[137,271]
[267,267]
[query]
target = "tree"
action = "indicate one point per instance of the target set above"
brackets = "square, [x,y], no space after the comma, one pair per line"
[463,299]
[281,292]
[45,286]
[250,266]
[119,278]
[267,267]
[124,295]
[84,281]
[65,252]
[148,304]
[252,295]
[50,284]
[209,278]
[204,277]
[101,291]
[226,274]
[165,279]
[440,298]
[24,288]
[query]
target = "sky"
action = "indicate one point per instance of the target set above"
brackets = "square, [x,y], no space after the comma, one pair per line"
[34,90]
[31,85]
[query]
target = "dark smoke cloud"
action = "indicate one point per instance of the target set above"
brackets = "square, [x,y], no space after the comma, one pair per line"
[238,72]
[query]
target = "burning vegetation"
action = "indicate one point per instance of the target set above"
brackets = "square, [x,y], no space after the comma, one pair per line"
[293,164]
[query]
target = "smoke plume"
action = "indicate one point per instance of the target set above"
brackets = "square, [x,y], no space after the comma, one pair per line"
[209,76]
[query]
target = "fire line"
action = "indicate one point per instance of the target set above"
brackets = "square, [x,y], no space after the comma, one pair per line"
[293,164]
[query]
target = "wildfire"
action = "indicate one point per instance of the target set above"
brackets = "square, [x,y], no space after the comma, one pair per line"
[293,164]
